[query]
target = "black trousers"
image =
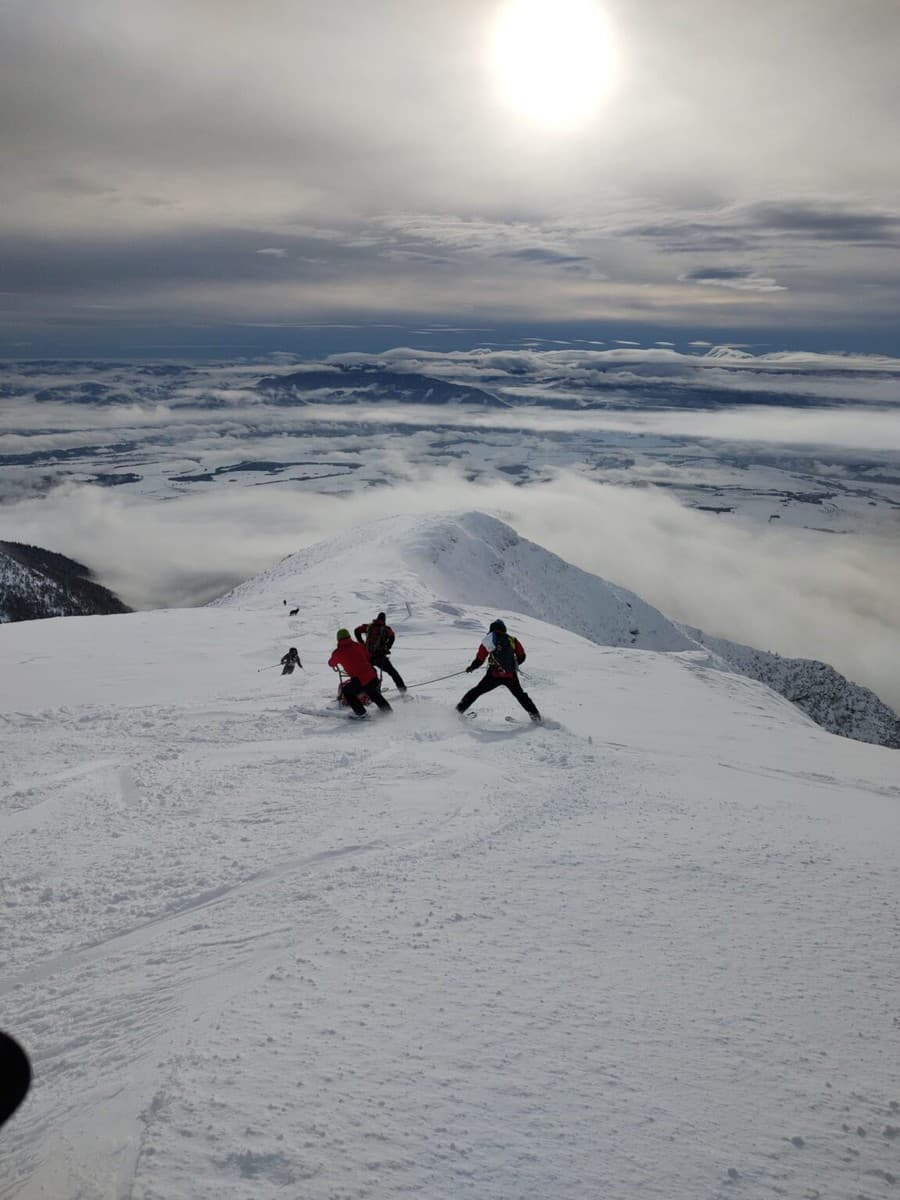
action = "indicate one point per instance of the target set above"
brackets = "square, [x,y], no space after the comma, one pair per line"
[383,663]
[351,693]
[488,683]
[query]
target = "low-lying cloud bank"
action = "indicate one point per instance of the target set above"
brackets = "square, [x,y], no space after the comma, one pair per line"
[850,429]
[846,428]
[782,589]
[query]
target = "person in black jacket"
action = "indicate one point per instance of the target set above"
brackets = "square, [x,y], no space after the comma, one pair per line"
[378,638]
[291,660]
[503,655]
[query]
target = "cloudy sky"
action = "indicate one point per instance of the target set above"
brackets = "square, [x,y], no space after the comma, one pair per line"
[210,177]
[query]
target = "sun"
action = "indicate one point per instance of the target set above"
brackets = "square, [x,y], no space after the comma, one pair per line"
[553,59]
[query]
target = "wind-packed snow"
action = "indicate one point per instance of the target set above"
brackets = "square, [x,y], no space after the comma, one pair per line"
[832,700]
[257,950]
[465,558]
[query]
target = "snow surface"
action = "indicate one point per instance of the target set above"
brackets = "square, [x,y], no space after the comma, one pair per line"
[461,558]
[832,700]
[256,950]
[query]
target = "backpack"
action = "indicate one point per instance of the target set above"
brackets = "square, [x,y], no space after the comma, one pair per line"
[376,637]
[503,655]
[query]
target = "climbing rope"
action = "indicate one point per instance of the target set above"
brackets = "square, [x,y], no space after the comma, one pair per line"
[425,682]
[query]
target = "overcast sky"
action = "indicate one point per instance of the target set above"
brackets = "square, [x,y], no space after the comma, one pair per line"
[236,176]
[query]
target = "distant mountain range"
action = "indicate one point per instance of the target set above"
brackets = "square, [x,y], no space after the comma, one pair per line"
[37,583]
[721,378]
[342,384]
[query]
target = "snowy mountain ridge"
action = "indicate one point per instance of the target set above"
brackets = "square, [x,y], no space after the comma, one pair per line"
[824,694]
[463,558]
[37,583]
[445,560]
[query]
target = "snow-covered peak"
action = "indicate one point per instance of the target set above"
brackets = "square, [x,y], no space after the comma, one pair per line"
[728,354]
[465,558]
[450,563]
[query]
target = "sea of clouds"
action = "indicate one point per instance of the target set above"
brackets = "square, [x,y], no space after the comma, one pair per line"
[786,590]
[776,587]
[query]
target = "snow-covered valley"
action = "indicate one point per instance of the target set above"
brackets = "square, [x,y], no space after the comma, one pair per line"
[648,949]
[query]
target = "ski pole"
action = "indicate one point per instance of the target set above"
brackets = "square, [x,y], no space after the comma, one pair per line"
[268,668]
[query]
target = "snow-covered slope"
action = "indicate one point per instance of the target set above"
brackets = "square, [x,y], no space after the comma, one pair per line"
[455,560]
[832,700]
[258,951]
[448,561]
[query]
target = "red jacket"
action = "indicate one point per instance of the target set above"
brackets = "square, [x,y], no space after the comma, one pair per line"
[377,637]
[484,651]
[354,659]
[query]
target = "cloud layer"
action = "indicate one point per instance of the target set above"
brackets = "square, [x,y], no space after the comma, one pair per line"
[782,590]
[698,480]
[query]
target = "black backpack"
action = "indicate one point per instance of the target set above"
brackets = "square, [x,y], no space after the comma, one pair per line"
[503,655]
[376,637]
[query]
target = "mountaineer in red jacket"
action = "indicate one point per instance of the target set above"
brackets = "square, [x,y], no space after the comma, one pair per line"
[503,654]
[378,637]
[352,658]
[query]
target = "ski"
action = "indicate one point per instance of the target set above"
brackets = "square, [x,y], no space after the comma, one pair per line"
[509,720]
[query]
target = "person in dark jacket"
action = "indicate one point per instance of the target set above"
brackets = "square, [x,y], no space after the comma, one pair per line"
[378,638]
[503,655]
[352,658]
[291,660]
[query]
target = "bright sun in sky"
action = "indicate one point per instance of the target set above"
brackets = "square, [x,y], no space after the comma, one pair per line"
[553,59]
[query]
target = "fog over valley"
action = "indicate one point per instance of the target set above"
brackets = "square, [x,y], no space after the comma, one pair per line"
[755,496]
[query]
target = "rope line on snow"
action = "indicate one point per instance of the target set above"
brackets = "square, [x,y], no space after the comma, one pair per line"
[425,682]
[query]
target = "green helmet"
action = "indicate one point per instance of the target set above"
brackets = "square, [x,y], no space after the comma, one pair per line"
[342,633]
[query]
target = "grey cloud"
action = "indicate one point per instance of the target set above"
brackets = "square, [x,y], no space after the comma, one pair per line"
[717,274]
[76,185]
[683,237]
[128,129]
[829,222]
[755,227]
[740,278]
[538,254]
[177,256]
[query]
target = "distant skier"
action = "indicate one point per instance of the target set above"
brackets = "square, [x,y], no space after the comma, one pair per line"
[503,654]
[291,660]
[354,660]
[378,638]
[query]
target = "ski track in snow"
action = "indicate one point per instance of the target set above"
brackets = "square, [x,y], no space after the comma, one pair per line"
[256,951]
